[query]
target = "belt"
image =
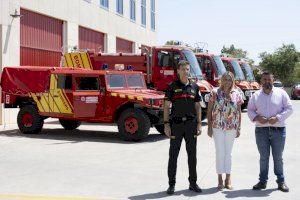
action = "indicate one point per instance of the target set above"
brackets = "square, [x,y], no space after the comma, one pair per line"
[182,119]
[272,128]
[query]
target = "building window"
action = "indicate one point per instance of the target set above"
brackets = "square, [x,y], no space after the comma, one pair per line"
[119,7]
[132,10]
[153,14]
[104,3]
[143,9]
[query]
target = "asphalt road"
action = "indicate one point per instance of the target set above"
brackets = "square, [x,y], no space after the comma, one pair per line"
[93,163]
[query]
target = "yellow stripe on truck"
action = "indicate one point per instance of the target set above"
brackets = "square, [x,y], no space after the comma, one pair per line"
[77,62]
[122,95]
[68,60]
[85,60]
[58,101]
[140,98]
[39,105]
[130,97]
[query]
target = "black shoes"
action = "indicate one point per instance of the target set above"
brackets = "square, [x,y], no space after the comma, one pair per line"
[171,189]
[194,187]
[283,187]
[260,186]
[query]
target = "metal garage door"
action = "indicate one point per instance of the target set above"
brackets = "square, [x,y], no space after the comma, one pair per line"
[41,39]
[90,39]
[124,46]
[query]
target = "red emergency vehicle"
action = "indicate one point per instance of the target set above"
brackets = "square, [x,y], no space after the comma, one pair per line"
[212,67]
[158,66]
[75,95]
[248,72]
[232,65]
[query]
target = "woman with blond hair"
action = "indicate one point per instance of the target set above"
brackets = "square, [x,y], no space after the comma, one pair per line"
[224,125]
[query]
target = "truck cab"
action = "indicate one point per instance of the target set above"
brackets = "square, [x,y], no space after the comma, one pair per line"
[233,66]
[79,95]
[212,67]
[248,72]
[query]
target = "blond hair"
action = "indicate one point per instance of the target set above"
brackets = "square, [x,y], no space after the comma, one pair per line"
[227,74]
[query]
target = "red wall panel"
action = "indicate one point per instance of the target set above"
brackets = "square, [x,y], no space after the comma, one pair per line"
[124,46]
[90,39]
[40,39]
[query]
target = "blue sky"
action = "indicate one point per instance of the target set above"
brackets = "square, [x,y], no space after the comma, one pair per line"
[254,25]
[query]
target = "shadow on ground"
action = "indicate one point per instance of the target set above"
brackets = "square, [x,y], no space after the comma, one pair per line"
[187,193]
[76,136]
[163,194]
[248,193]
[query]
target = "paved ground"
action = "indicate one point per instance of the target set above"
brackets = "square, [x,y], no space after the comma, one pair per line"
[92,163]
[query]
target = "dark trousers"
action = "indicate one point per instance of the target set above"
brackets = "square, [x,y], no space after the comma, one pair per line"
[185,130]
[270,138]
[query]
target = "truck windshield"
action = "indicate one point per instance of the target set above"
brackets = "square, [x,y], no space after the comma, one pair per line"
[116,81]
[195,68]
[135,81]
[220,66]
[238,73]
[248,72]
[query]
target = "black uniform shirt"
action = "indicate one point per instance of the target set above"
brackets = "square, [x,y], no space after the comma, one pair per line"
[183,98]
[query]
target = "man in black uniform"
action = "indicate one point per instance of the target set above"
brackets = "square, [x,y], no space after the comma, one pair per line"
[185,122]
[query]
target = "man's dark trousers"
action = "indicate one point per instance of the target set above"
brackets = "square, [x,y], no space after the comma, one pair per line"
[186,130]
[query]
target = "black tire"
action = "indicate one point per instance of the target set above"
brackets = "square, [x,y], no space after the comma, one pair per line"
[160,128]
[69,124]
[142,125]
[29,121]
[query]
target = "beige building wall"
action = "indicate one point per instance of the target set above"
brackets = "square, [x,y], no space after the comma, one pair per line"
[74,13]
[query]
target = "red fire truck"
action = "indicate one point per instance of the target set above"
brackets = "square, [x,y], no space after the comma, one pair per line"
[77,95]
[232,65]
[212,67]
[158,65]
[248,72]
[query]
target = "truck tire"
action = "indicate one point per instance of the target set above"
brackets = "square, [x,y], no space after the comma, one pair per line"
[69,124]
[29,121]
[160,128]
[133,125]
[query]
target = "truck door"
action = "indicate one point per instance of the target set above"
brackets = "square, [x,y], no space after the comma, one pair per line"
[87,96]
[60,95]
[164,68]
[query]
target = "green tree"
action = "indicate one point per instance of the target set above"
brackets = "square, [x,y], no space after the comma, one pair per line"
[237,53]
[281,63]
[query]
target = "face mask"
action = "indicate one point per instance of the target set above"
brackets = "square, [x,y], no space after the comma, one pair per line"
[267,86]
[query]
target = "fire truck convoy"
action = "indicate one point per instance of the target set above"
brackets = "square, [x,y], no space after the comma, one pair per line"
[158,65]
[77,95]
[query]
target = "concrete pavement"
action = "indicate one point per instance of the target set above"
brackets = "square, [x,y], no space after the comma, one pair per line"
[92,163]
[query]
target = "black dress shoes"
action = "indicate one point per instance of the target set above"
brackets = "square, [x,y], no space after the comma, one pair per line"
[283,187]
[194,187]
[171,189]
[260,186]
